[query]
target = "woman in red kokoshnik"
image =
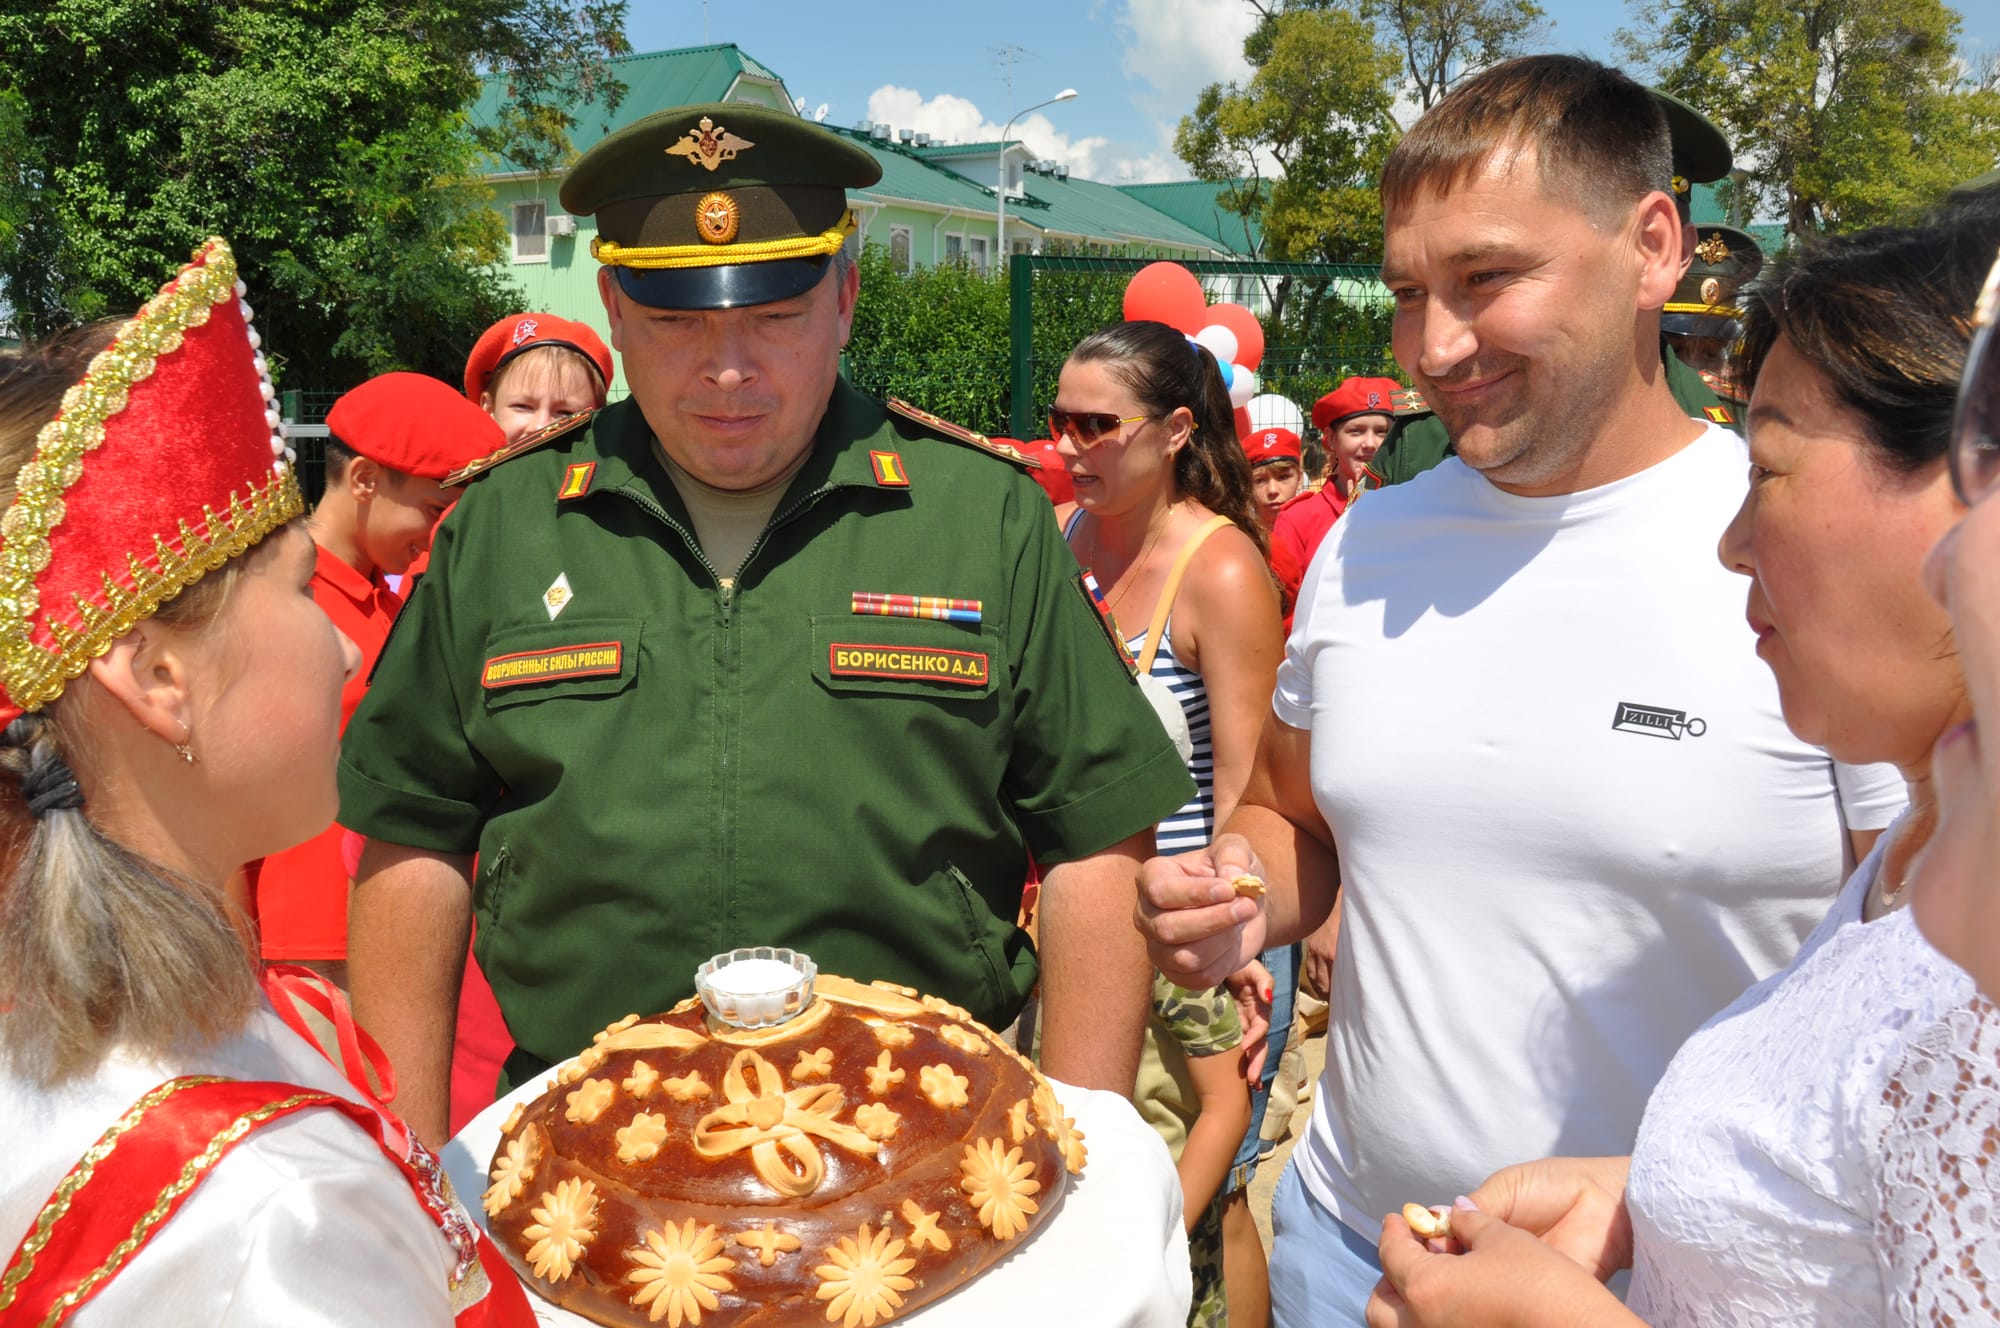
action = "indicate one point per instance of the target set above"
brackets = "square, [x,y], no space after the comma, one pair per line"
[176,1153]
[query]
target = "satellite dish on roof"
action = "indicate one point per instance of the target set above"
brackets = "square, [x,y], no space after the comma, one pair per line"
[819,116]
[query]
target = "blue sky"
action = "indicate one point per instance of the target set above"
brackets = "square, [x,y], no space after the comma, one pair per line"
[946,68]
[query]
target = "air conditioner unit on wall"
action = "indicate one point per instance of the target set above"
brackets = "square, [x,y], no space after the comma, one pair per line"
[562,223]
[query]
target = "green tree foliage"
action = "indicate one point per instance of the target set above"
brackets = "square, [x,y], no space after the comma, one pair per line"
[1318,106]
[1845,113]
[1443,40]
[329,142]
[939,337]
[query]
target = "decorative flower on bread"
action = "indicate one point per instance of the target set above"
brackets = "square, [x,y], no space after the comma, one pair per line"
[678,1270]
[640,1141]
[944,1086]
[760,1115]
[970,1043]
[687,1087]
[643,1079]
[564,1223]
[947,1009]
[513,1167]
[817,1064]
[1001,1186]
[1017,1121]
[1061,1129]
[864,1279]
[877,1121]
[892,1035]
[590,1099]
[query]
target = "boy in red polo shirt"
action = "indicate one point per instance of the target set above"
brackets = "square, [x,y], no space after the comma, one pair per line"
[391,440]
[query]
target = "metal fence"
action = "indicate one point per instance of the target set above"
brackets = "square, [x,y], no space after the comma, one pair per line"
[1322,322]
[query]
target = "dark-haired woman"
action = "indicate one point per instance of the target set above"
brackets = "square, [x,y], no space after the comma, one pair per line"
[1165,521]
[176,1153]
[1759,1187]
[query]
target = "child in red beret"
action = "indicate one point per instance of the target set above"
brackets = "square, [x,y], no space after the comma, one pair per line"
[1277,470]
[530,370]
[390,442]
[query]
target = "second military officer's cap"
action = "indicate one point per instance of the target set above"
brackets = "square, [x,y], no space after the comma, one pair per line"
[1704,304]
[1701,153]
[413,423]
[718,206]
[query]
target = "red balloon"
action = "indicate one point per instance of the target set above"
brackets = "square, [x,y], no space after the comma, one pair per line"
[1249,332]
[1167,293]
[1243,426]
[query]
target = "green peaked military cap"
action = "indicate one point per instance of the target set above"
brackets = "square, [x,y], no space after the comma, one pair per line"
[1704,304]
[718,206]
[1700,151]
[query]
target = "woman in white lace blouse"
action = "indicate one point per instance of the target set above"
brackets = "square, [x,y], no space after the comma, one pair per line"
[1772,1182]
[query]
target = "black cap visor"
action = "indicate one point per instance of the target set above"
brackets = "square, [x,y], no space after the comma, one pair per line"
[730,286]
[1720,327]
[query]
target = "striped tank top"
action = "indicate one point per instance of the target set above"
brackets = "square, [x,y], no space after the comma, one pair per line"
[1194,824]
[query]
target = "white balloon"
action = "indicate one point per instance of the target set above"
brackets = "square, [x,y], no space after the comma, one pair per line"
[1271,411]
[1220,341]
[1242,387]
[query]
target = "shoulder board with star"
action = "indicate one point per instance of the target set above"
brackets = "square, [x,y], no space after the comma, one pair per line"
[958,433]
[527,442]
[1409,401]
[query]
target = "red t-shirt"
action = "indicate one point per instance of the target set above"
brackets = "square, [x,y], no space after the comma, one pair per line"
[1302,524]
[301,894]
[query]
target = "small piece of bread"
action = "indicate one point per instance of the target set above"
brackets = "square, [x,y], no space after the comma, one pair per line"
[1248,886]
[1430,1223]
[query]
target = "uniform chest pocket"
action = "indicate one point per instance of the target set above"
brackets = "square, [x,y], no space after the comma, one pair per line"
[903,656]
[571,659]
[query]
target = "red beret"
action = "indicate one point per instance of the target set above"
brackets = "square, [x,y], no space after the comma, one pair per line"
[522,333]
[1272,444]
[1356,396]
[413,423]
[1053,476]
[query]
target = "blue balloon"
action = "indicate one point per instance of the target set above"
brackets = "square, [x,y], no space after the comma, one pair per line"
[1228,372]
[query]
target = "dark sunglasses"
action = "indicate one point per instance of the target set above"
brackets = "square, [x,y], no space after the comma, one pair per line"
[1087,428]
[1975,426]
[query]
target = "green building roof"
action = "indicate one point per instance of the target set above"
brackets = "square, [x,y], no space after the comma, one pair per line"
[1197,205]
[654,82]
[1074,206]
[906,174]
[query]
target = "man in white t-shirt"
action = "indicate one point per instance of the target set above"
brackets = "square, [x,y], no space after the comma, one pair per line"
[1521,724]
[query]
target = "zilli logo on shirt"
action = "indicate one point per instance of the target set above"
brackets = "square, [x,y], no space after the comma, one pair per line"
[1656,722]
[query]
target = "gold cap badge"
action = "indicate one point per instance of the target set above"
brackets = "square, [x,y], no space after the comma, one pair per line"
[716,218]
[1712,250]
[708,146]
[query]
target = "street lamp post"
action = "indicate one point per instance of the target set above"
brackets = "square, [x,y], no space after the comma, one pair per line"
[1000,194]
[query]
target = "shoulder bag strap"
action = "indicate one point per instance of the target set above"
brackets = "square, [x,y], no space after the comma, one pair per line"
[1156,630]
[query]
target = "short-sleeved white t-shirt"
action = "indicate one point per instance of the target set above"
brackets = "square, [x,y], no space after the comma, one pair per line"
[1571,821]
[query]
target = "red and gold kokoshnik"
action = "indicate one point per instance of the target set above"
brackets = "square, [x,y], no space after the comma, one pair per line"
[163,463]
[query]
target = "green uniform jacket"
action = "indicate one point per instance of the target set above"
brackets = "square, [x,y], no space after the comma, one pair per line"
[1421,443]
[667,769]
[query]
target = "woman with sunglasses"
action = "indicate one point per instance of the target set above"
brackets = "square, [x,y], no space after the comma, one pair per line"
[1165,522]
[1759,1188]
[177,1151]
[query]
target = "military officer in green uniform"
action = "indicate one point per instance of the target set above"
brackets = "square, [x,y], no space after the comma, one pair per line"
[1702,321]
[746,659]
[1701,155]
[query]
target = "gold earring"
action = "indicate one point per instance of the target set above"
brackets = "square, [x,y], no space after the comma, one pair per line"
[184,746]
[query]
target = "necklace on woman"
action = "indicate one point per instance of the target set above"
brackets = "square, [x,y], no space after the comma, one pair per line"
[1125,583]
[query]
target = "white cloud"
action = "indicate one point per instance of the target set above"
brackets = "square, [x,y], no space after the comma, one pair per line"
[1178,47]
[953,119]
